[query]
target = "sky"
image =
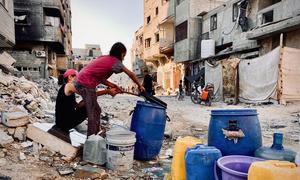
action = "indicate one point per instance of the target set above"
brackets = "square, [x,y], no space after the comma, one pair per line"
[105,22]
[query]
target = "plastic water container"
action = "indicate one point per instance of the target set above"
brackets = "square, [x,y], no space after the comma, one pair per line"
[208,48]
[233,120]
[94,150]
[276,151]
[200,162]
[235,167]
[178,162]
[120,147]
[148,122]
[274,170]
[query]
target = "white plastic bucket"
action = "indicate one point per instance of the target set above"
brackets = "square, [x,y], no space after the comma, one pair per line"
[120,149]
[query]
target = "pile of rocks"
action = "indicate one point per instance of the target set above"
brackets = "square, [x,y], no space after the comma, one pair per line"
[49,85]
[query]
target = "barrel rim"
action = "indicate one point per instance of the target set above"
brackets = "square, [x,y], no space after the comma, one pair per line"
[233,112]
[144,103]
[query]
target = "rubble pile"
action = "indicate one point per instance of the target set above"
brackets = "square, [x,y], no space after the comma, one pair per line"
[49,85]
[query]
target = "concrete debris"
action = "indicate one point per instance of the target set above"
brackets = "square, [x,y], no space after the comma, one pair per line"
[15,119]
[26,144]
[3,177]
[63,171]
[7,62]
[88,171]
[2,162]
[50,86]
[22,156]
[11,131]
[5,138]
[53,143]
[2,154]
[20,133]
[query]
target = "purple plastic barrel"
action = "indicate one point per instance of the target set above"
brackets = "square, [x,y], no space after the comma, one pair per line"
[236,167]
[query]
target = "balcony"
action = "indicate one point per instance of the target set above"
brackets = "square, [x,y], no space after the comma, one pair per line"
[166,45]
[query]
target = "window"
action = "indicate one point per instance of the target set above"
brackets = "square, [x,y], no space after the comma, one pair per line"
[148,19]
[235,11]
[268,17]
[156,37]
[179,1]
[213,22]
[141,40]
[51,17]
[156,10]
[181,31]
[147,42]
[21,17]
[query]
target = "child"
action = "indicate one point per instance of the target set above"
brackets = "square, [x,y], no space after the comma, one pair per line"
[97,72]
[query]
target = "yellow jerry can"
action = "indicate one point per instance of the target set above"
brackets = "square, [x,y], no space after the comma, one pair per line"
[178,162]
[274,170]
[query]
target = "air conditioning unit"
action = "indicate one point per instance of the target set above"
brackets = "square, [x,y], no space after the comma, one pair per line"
[40,54]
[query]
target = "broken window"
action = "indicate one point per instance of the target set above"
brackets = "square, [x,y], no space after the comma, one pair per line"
[235,11]
[147,42]
[52,17]
[148,19]
[213,22]
[181,31]
[156,37]
[268,17]
[141,40]
[21,17]
[156,10]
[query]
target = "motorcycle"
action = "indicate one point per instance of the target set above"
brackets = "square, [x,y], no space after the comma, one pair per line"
[205,95]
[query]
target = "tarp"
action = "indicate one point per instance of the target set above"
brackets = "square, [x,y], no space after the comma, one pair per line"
[230,79]
[290,74]
[195,77]
[258,77]
[213,74]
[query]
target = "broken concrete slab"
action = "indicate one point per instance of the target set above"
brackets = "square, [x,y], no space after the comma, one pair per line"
[5,138]
[6,59]
[15,119]
[20,133]
[63,171]
[26,144]
[88,171]
[22,156]
[11,131]
[38,133]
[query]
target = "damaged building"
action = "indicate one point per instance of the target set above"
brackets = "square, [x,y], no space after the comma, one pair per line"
[247,45]
[7,28]
[154,44]
[82,56]
[43,37]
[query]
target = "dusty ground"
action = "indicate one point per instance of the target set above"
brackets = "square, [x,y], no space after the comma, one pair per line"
[186,119]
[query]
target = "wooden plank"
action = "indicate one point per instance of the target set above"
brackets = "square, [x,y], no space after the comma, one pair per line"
[53,143]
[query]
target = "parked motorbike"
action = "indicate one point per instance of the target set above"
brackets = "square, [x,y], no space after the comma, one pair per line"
[205,95]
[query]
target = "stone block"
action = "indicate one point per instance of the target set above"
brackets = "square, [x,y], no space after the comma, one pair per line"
[15,119]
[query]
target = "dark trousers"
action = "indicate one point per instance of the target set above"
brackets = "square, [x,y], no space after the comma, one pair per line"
[93,109]
[73,120]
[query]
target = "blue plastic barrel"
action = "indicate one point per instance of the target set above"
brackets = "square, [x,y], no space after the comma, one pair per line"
[200,162]
[148,122]
[233,120]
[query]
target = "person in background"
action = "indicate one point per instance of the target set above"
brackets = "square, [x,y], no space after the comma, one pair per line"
[148,82]
[68,112]
[97,72]
[181,93]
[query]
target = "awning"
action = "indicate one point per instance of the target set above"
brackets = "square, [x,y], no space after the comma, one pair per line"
[195,77]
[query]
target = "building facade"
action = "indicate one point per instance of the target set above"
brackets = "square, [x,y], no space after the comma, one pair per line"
[82,56]
[154,44]
[7,27]
[43,37]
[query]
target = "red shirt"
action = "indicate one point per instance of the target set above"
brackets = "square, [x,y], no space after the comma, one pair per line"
[98,70]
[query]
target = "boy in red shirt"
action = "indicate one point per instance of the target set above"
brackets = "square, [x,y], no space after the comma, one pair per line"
[97,72]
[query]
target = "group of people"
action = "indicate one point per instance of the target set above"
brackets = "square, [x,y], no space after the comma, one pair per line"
[68,112]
